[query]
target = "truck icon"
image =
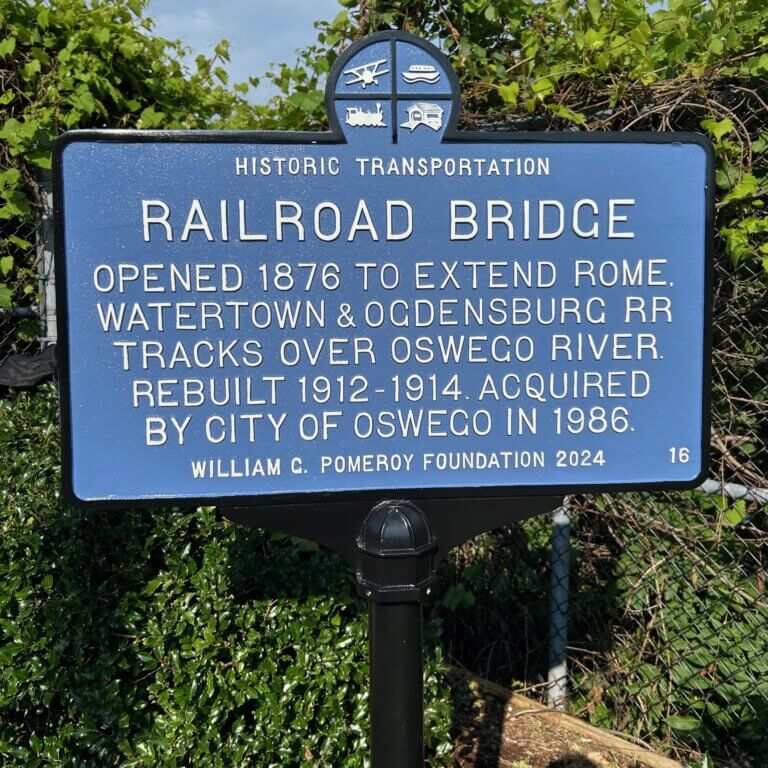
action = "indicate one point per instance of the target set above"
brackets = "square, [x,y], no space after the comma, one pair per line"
[359,117]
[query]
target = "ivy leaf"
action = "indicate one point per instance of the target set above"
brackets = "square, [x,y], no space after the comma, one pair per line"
[509,92]
[307,102]
[567,114]
[640,33]
[717,128]
[6,265]
[41,158]
[16,204]
[5,296]
[736,514]
[151,118]
[128,48]
[458,596]
[542,86]
[17,241]
[9,178]
[747,187]
[86,102]
[7,46]
[28,329]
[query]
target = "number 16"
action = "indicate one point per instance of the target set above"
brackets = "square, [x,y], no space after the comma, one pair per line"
[679,455]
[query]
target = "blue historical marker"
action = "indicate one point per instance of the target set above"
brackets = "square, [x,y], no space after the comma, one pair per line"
[392,308]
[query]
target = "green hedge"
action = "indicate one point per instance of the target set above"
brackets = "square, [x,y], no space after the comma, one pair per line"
[171,638]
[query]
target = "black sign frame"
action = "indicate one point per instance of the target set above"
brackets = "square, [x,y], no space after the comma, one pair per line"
[335,135]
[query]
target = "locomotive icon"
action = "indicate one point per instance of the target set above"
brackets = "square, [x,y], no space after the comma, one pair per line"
[371,118]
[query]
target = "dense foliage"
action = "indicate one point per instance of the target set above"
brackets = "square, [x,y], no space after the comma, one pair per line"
[170,638]
[688,579]
[74,64]
[148,639]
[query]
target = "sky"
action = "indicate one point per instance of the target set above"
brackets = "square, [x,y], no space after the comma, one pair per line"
[260,31]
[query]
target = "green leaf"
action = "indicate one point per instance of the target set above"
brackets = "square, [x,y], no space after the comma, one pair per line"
[16,204]
[19,242]
[150,118]
[509,92]
[735,515]
[640,33]
[41,158]
[152,586]
[307,102]
[128,48]
[6,265]
[595,8]
[86,102]
[683,723]
[567,114]
[717,128]
[5,296]
[32,69]
[542,85]
[458,596]
[7,46]
[747,187]
[28,329]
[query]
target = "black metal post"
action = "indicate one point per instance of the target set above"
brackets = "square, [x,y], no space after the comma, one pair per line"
[397,685]
[395,570]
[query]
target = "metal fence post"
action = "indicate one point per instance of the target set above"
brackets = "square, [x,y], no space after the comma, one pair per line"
[557,676]
[45,268]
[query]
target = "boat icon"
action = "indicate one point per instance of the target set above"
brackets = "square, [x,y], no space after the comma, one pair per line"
[421,73]
[359,117]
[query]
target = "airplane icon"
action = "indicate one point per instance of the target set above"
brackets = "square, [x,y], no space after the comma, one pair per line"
[367,74]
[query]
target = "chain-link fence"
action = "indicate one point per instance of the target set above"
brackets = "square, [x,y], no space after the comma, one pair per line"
[656,619]
[657,623]
[669,625]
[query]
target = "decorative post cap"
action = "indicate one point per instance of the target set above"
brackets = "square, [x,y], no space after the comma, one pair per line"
[396,553]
